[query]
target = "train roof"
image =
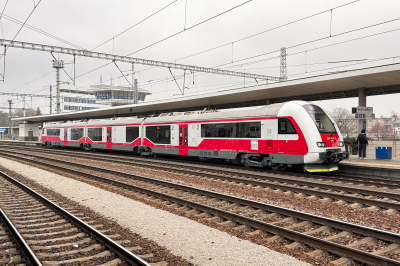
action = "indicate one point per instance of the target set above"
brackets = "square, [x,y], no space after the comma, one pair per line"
[265,111]
[118,121]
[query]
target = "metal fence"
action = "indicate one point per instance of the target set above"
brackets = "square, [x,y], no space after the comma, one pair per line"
[9,136]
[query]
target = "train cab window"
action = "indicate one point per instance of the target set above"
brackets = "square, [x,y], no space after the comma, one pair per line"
[231,130]
[285,126]
[95,133]
[132,133]
[159,134]
[320,118]
[53,132]
[76,133]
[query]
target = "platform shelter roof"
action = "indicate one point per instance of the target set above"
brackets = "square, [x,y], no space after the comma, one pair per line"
[345,84]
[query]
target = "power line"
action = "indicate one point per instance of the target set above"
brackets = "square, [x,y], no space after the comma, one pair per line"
[269,30]
[202,22]
[34,8]
[103,42]
[2,12]
[39,30]
[135,25]
[198,24]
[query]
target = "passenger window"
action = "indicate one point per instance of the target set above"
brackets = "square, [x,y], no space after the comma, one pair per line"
[231,130]
[159,134]
[132,133]
[285,126]
[95,133]
[76,133]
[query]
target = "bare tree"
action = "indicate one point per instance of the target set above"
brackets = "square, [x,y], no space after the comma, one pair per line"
[20,113]
[377,129]
[394,114]
[345,121]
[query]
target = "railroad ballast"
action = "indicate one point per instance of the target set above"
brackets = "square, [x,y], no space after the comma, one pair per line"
[293,134]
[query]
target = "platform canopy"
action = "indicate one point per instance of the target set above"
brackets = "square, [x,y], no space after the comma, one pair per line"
[345,84]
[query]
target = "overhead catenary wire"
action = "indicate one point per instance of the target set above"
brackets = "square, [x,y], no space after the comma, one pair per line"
[30,14]
[212,18]
[38,30]
[1,16]
[191,27]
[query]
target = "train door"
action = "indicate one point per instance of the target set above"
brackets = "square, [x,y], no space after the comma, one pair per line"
[287,137]
[65,136]
[109,137]
[183,140]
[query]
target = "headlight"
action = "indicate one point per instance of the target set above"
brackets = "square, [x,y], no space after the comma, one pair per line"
[341,143]
[321,144]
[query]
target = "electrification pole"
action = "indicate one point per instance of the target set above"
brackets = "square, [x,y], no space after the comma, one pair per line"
[23,99]
[283,65]
[9,115]
[58,64]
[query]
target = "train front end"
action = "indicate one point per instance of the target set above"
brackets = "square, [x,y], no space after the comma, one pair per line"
[326,146]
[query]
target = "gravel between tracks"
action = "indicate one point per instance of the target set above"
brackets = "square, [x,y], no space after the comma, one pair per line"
[345,213]
[195,242]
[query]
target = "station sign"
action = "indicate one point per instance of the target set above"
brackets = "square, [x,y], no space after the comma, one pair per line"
[364,116]
[2,129]
[362,110]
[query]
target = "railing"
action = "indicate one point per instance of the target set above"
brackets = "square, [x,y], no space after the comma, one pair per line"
[9,136]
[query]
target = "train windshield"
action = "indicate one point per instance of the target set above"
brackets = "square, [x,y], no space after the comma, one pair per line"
[321,120]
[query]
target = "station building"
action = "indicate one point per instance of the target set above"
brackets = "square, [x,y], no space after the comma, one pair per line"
[74,99]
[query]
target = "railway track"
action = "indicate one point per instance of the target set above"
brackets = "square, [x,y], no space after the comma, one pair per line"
[318,236]
[50,235]
[368,181]
[371,199]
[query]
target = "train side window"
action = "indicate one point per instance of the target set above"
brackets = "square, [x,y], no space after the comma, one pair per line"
[159,134]
[53,132]
[132,133]
[95,133]
[285,126]
[76,133]
[231,130]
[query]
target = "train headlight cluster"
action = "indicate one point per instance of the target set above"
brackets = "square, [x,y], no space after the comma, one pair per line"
[341,144]
[321,144]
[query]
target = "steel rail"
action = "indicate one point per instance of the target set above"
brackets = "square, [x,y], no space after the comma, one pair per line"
[315,242]
[21,241]
[323,194]
[108,242]
[255,174]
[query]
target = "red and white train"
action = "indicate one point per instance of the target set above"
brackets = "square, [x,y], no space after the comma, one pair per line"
[291,134]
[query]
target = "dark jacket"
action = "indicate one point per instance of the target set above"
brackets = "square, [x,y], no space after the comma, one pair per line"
[362,139]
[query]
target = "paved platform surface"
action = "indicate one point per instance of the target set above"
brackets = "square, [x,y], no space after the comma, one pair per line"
[18,141]
[393,163]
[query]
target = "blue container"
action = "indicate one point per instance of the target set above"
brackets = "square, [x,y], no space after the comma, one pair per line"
[13,138]
[383,152]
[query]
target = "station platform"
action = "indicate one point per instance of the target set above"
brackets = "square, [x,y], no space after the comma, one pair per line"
[377,167]
[18,142]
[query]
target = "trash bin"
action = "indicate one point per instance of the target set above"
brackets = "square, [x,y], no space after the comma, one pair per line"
[383,152]
[13,138]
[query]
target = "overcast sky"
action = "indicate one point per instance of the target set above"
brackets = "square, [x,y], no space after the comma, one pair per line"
[87,24]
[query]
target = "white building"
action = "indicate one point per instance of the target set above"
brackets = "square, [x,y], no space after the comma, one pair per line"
[72,99]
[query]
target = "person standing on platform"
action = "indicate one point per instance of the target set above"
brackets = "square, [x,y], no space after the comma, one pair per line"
[362,143]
